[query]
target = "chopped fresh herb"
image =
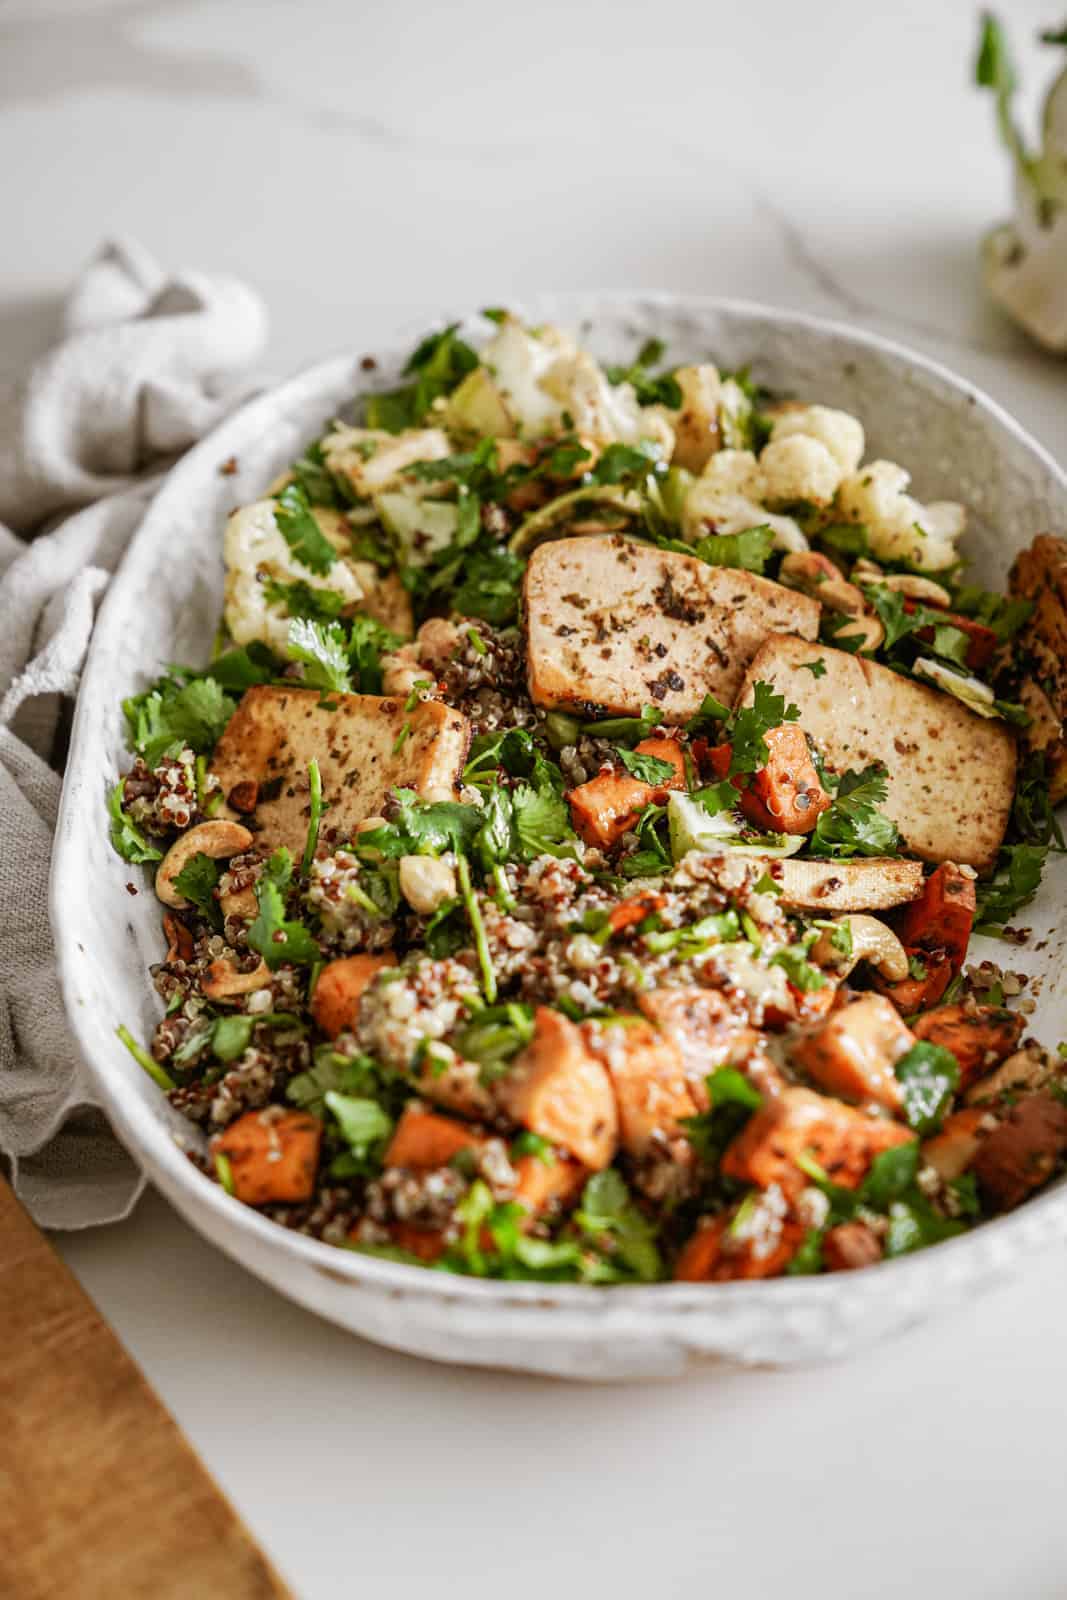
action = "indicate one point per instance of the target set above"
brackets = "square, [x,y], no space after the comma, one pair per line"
[323,650]
[891,1175]
[622,462]
[732,1100]
[422,827]
[224,1172]
[914,1224]
[296,523]
[436,367]
[157,1073]
[817,668]
[929,1075]
[802,974]
[474,917]
[1012,886]
[495,1036]
[368,641]
[542,820]
[853,824]
[745,728]
[528,1143]
[332,1071]
[314,816]
[197,882]
[650,769]
[126,838]
[179,709]
[633,729]
[364,1126]
[607,1209]
[808,1258]
[650,391]
[300,599]
[490,580]
[270,935]
[749,550]
[845,538]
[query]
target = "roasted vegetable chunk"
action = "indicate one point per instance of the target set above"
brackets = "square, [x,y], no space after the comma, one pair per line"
[841,1139]
[852,1054]
[273,1155]
[557,1088]
[978,1036]
[1024,1151]
[339,990]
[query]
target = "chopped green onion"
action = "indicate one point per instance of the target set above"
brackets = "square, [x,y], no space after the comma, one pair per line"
[477,642]
[157,1073]
[315,789]
[225,1173]
[474,916]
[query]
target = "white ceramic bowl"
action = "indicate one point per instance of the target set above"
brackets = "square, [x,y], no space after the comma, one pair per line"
[163,607]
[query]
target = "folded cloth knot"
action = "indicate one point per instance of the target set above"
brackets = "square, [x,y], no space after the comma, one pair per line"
[145,366]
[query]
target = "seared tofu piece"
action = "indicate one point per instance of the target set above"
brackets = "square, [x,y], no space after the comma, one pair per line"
[874,884]
[615,625]
[1039,653]
[360,745]
[951,774]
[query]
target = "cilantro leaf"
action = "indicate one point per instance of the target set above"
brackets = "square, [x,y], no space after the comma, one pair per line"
[489,584]
[897,621]
[745,728]
[436,366]
[748,549]
[318,484]
[621,462]
[368,641]
[296,524]
[364,1126]
[853,824]
[323,650]
[177,710]
[891,1174]
[1013,885]
[914,1224]
[845,538]
[1003,613]
[270,935]
[126,838]
[607,1208]
[197,881]
[347,1075]
[808,1259]
[817,668]
[423,828]
[542,821]
[928,1075]
[650,769]
[301,600]
[494,1036]
[732,1100]
[650,391]
[802,974]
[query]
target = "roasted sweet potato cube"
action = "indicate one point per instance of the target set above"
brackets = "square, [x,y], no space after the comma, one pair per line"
[423,1140]
[558,1088]
[651,1089]
[841,1139]
[940,920]
[336,997]
[548,1186]
[853,1052]
[709,1033]
[364,744]
[978,1036]
[606,807]
[1024,1151]
[786,795]
[273,1155]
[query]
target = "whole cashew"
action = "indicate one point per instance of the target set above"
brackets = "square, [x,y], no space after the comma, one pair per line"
[222,981]
[426,882]
[872,941]
[867,628]
[817,576]
[214,839]
[912,587]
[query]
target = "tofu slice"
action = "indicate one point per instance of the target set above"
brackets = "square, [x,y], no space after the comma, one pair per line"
[274,733]
[614,625]
[874,884]
[951,774]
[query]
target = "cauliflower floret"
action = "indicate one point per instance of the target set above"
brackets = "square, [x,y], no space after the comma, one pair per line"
[709,509]
[728,498]
[798,468]
[734,472]
[841,433]
[372,460]
[899,527]
[254,550]
[518,363]
[697,434]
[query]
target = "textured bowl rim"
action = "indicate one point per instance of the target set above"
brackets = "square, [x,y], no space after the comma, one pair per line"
[152,1145]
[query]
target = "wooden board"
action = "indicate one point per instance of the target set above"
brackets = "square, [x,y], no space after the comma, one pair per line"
[101,1495]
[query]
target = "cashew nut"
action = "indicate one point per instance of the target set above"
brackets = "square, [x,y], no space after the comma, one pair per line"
[912,587]
[214,839]
[239,903]
[867,571]
[872,941]
[369,824]
[866,628]
[222,981]
[816,575]
[426,882]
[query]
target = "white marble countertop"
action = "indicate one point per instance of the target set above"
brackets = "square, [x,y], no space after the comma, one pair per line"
[365,165]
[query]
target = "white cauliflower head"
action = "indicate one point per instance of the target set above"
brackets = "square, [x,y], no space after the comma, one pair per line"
[373,461]
[899,527]
[798,468]
[254,551]
[728,497]
[841,433]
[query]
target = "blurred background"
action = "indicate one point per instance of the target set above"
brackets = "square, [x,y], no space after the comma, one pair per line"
[368,163]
